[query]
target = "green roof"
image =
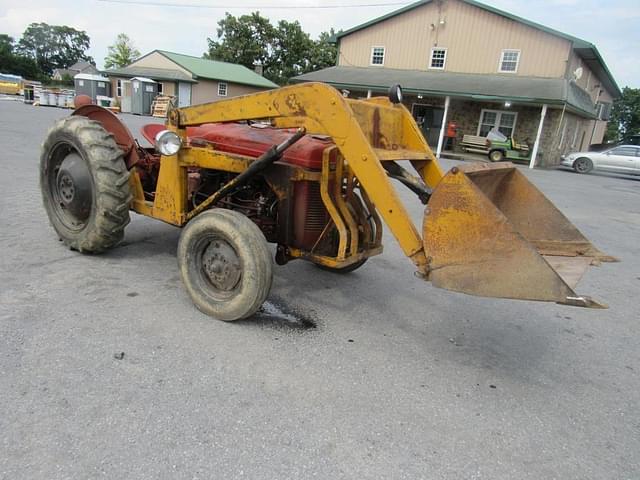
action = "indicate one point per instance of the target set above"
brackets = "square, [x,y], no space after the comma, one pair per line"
[581,46]
[152,73]
[215,70]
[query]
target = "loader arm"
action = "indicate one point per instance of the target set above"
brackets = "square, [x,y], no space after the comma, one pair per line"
[366,133]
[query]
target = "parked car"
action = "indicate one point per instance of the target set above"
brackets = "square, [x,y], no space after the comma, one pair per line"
[620,159]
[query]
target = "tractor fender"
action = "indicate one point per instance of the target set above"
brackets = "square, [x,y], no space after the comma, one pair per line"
[112,124]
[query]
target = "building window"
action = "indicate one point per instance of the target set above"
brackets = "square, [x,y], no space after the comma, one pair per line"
[118,88]
[377,55]
[160,85]
[438,58]
[222,89]
[81,83]
[102,84]
[490,119]
[509,61]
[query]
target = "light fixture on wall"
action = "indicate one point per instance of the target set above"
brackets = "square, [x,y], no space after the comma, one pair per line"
[419,97]
[507,104]
[442,21]
[432,26]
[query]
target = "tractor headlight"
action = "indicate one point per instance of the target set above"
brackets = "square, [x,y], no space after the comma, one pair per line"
[168,142]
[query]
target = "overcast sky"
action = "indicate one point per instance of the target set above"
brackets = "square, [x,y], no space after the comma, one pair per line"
[613,26]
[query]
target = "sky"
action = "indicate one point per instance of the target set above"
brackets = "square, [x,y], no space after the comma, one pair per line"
[184,26]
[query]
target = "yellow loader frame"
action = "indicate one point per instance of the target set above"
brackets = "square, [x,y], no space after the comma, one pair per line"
[487,230]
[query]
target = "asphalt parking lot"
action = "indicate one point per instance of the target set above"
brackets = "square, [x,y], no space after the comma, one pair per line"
[372,375]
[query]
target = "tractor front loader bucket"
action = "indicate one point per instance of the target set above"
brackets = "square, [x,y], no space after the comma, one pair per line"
[488,231]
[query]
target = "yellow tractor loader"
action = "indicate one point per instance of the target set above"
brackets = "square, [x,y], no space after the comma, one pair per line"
[309,170]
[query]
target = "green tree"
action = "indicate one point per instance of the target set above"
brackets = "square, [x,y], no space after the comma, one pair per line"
[291,50]
[122,53]
[6,44]
[284,50]
[625,115]
[54,46]
[12,63]
[246,40]
[325,52]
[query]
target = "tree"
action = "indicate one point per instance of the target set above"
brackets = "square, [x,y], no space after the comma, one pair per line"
[121,53]
[284,51]
[324,53]
[54,46]
[12,63]
[246,40]
[290,53]
[625,115]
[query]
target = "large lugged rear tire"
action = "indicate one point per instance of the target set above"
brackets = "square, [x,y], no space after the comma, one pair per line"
[225,264]
[84,184]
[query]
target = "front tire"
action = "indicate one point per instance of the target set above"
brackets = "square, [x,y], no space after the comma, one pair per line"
[583,165]
[496,155]
[84,184]
[225,264]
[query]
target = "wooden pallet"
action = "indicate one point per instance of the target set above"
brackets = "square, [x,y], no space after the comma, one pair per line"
[160,106]
[474,143]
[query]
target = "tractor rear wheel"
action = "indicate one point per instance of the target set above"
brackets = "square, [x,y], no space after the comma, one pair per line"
[84,184]
[225,264]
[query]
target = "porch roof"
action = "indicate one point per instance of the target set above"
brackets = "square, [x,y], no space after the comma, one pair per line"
[529,90]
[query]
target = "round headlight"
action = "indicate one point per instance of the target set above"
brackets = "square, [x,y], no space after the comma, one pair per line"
[168,142]
[395,93]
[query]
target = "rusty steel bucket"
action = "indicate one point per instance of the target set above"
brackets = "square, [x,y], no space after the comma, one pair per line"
[489,232]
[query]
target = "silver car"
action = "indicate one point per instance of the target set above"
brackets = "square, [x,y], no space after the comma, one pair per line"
[620,159]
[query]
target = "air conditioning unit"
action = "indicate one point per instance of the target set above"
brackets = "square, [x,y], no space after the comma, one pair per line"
[603,111]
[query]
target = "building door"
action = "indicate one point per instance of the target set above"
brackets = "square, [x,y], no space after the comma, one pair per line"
[429,118]
[184,94]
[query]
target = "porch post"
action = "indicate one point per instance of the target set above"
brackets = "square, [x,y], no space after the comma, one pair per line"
[368,93]
[534,153]
[443,127]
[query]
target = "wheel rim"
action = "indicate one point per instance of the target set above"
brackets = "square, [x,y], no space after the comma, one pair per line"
[219,267]
[71,187]
[496,156]
[581,166]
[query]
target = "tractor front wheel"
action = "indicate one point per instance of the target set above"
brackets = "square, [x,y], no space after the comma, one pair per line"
[84,184]
[225,264]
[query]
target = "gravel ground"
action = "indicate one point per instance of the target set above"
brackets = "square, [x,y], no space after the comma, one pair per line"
[366,376]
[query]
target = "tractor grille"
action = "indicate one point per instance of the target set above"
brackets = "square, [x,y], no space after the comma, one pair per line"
[309,214]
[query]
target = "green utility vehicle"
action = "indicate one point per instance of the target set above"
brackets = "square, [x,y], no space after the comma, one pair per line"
[506,148]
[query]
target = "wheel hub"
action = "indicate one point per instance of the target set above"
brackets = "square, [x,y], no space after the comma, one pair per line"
[221,265]
[73,185]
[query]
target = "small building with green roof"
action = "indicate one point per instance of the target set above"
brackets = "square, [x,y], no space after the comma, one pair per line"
[193,80]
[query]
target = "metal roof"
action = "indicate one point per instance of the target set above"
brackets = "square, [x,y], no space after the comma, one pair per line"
[532,90]
[586,50]
[215,70]
[90,76]
[154,73]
